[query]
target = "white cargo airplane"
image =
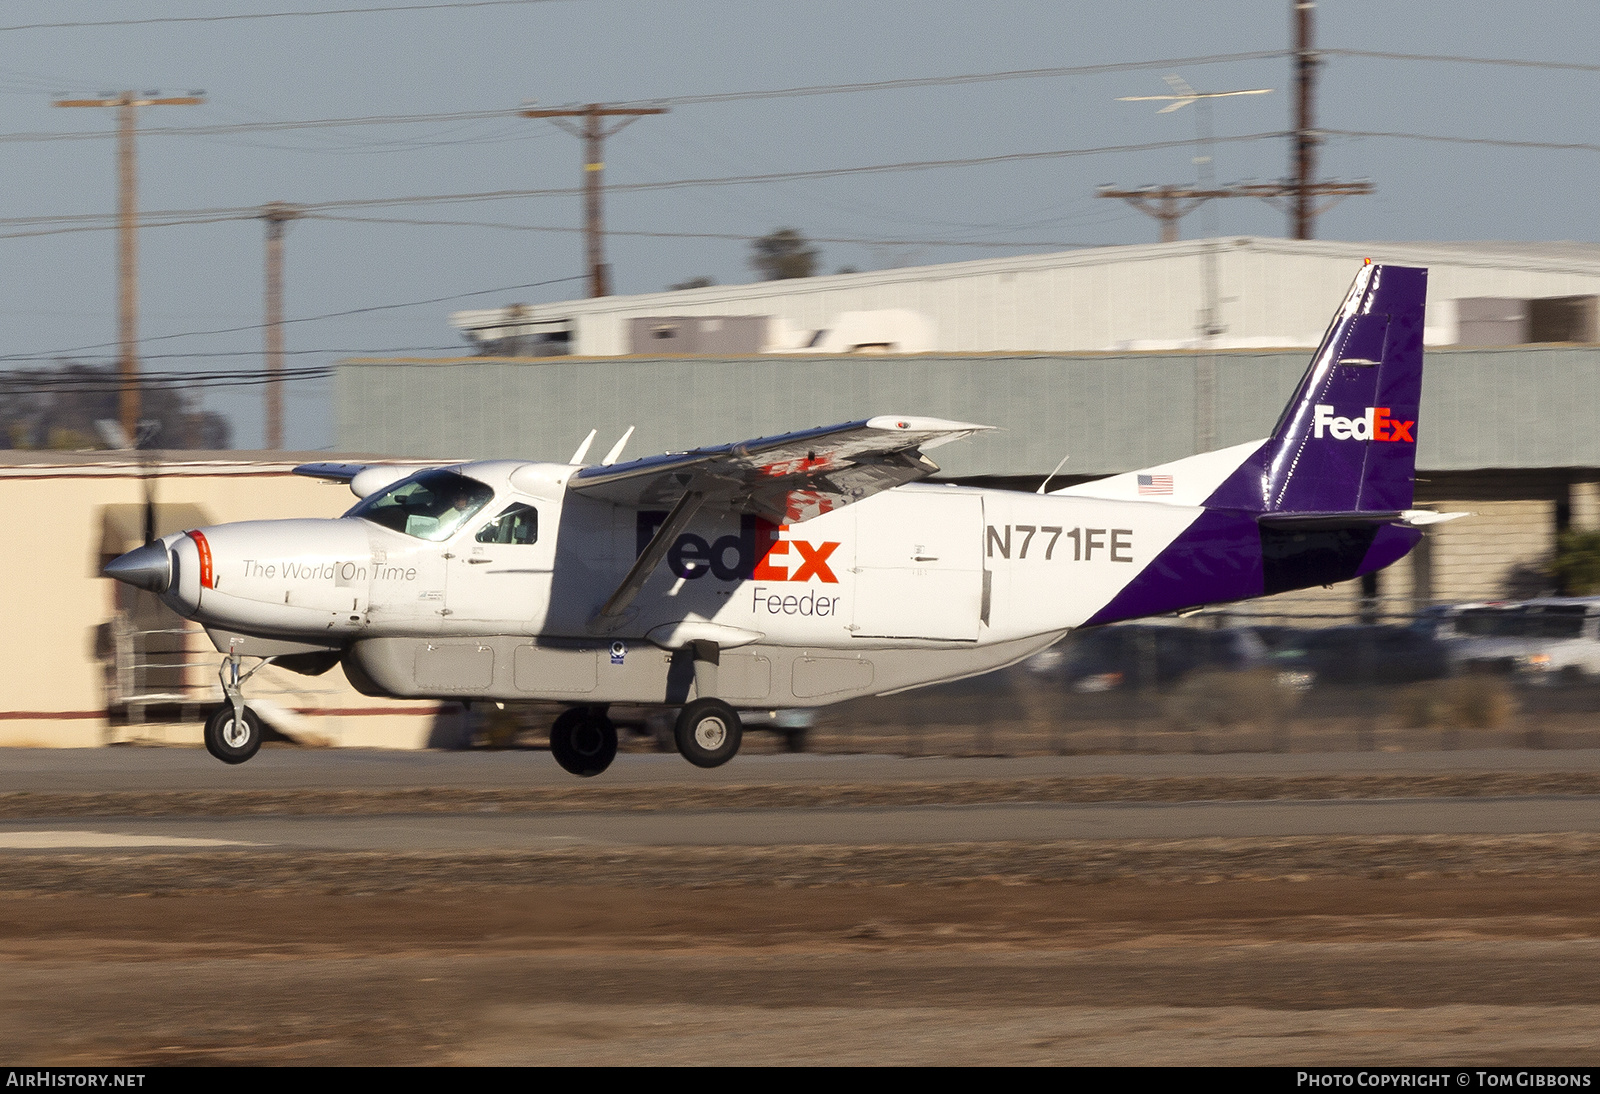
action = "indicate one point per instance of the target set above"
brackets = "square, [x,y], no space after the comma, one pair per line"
[796,570]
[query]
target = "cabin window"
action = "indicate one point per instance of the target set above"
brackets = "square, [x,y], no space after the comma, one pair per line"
[430,505]
[518,524]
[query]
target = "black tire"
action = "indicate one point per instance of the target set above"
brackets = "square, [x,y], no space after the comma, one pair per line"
[227,745]
[583,741]
[708,733]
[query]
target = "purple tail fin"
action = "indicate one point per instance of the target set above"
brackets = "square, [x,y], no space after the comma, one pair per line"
[1347,442]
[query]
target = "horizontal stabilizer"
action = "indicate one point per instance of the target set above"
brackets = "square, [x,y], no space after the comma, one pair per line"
[1415,518]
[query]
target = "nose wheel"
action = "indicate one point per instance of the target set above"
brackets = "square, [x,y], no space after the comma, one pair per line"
[233,732]
[233,738]
[584,741]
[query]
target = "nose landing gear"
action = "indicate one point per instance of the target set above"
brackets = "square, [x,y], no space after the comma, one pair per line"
[233,732]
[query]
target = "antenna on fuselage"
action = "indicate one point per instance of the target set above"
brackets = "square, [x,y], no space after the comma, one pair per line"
[1052,474]
[583,449]
[616,449]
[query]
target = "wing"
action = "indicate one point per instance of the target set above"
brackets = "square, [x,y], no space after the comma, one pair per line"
[786,479]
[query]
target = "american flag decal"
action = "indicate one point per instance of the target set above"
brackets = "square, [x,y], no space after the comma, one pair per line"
[1155,484]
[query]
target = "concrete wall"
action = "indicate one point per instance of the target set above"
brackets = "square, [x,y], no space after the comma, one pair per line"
[1490,408]
[52,692]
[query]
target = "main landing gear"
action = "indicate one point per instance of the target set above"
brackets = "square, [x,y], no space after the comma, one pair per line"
[707,734]
[584,741]
[233,732]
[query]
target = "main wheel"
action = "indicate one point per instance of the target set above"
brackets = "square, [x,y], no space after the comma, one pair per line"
[708,733]
[583,741]
[233,741]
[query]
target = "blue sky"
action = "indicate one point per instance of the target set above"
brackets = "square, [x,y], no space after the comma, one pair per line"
[199,277]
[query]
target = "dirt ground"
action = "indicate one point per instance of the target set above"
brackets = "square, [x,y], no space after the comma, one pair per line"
[1501,970]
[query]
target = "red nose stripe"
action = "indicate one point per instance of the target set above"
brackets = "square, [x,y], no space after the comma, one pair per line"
[205,558]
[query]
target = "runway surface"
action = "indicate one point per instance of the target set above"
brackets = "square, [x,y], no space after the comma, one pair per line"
[156,769]
[777,828]
[363,907]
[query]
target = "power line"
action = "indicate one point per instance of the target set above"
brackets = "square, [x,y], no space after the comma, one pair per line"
[1511,62]
[251,211]
[772,93]
[669,100]
[271,15]
[304,319]
[970,78]
[736,237]
[227,128]
[78,222]
[1558,146]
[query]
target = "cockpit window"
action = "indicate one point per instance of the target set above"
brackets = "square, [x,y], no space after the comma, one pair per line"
[518,524]
[429,505]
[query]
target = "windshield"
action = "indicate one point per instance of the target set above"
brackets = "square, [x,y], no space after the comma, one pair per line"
[428,505]
[1534,621]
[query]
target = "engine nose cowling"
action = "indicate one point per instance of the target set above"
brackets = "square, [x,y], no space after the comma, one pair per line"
[148,567]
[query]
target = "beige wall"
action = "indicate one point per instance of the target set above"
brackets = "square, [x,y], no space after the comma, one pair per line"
[1500,551]
[51,686]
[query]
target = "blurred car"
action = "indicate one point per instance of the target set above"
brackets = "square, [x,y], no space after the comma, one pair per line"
[1356,654]
[1546,640]
[1146,655]
[792,724]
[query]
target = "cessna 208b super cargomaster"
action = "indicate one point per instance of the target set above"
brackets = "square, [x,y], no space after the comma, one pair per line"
[796,570]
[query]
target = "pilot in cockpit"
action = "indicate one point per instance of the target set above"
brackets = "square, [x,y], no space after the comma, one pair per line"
[463,504]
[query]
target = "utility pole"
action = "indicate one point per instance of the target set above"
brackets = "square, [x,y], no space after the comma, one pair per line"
[127,104]
[1166,204]
[1305,140]
[594,133]
[277,214]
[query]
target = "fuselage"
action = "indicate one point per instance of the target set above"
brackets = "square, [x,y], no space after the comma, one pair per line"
[922,583]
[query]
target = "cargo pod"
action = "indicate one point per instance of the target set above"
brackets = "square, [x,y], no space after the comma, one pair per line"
[919,565]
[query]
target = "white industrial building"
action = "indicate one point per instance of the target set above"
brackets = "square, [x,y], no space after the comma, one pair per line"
[1267,293]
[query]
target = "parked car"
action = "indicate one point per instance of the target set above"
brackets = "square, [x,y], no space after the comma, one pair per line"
[1546,640]
[1358,654]
[1146,655]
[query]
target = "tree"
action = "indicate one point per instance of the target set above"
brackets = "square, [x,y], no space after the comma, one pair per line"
[1577,563]
[701,282]
[58,407]
[783,254]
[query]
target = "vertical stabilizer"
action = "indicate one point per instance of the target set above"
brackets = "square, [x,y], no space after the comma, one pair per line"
[1347,442]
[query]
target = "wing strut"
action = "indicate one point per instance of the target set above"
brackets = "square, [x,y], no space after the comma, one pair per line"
[677,520]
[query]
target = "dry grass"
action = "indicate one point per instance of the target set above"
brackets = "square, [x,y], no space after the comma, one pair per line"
[1227,700]
[1465,702]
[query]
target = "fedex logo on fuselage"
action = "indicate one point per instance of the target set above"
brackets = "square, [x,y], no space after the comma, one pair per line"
[762,551]
[1377,424]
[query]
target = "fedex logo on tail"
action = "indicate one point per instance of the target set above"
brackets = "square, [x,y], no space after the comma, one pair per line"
[1377,424]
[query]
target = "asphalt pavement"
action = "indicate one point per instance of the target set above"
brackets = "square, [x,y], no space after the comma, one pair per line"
[837,827]
[147,769]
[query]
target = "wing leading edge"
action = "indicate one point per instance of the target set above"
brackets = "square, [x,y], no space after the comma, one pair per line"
[787,478]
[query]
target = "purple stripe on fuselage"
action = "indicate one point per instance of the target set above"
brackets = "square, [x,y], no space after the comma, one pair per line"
[1215,560]
[1220,558]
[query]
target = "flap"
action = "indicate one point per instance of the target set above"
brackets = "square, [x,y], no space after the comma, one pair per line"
[787,478]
